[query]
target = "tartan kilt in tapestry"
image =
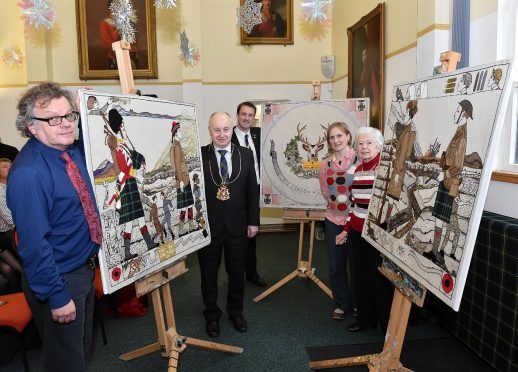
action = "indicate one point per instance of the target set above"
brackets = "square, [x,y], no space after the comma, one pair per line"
[131,206]
[443,204]
[184,199]
[137,159]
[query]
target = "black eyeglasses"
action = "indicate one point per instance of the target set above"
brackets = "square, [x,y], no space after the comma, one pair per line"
[56,120]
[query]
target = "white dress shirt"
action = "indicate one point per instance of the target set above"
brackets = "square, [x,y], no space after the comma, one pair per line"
[228,157]
[241,138]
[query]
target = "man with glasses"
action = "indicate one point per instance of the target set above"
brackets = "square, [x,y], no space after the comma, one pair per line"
[51,199]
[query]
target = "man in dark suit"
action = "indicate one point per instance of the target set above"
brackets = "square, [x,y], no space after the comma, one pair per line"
[247,136]
[233,211]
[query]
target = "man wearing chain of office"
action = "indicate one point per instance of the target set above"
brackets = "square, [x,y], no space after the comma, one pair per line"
[233,210]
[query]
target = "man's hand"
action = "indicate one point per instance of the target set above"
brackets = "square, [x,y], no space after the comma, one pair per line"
[65,314]
[341,238]
[252,231]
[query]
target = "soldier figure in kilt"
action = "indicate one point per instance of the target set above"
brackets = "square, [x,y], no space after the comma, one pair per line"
[184,198]
[127,162]
[452,163]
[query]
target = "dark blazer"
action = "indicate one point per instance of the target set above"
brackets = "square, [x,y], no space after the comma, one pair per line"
[256,138]
[242,209]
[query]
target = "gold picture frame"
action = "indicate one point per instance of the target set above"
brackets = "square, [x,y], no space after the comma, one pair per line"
[366,61]
[277,26]
[95,32]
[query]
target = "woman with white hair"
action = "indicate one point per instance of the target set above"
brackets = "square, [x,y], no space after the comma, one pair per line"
[373,291]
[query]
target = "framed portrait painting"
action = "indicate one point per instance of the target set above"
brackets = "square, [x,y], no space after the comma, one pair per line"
[276,26]
[96,32]
[366,62]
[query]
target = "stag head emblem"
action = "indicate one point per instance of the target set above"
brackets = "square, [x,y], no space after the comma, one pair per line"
[311,149]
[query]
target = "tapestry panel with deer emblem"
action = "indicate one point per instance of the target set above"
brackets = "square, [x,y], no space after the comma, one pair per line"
[293,143]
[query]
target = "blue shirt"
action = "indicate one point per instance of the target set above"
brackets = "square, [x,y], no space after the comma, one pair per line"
[52,229]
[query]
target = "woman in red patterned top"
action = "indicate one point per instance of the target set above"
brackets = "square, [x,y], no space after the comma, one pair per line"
[335,189]
[373,291]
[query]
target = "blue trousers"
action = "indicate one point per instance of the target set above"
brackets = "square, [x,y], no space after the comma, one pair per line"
[65,346]
[338,255]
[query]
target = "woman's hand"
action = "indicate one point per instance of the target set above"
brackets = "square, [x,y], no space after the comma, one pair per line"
[341,238]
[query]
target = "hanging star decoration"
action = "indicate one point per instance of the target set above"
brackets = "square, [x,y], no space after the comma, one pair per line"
[249,15]
[124,18]
[315,10]
[165,4]
[12,56]
[38,13]
[189,53]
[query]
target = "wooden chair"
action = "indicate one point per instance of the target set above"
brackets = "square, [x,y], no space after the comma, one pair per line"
[15,314]
[99,302]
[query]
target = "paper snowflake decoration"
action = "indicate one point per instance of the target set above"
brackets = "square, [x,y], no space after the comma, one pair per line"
[12,56]
[189,53]
[124,18]
[249,15]
[38,13]
[165,4]
[315,10]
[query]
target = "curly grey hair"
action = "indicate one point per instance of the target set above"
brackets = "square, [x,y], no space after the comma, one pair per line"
[41,95]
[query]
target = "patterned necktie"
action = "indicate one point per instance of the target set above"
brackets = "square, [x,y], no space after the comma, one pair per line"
[247,144]
[223,166]
[92,218]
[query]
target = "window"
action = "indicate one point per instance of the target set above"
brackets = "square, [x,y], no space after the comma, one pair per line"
[508,161]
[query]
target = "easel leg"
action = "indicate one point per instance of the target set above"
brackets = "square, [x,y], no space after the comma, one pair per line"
[304,269]
[311,275]
[161,330]
[388,359]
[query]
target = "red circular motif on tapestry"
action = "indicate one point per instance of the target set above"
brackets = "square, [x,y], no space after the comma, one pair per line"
[116,274]
[340,173]
[341,207]
[330,180]
[447,283]
[331,205]
[330,172]
[341,189]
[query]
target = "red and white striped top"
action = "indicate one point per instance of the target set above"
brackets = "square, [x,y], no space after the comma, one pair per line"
[361,193]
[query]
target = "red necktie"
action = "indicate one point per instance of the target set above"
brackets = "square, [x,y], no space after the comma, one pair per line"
[92,218]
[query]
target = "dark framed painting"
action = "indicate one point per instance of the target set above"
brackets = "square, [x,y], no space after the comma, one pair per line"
[366,62]
[96,32]
[276,26]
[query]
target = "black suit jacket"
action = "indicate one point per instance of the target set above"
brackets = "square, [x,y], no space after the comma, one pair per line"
[256,138]
[242,209]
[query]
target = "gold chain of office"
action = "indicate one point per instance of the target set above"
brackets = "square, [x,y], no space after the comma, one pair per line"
[223,192]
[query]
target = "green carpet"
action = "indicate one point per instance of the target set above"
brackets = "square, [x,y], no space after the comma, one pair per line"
[281,327]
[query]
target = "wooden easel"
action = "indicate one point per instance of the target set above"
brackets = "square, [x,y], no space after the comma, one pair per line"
[170,343]
[388,359]
[449,60]
[304,269]
[315,96]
